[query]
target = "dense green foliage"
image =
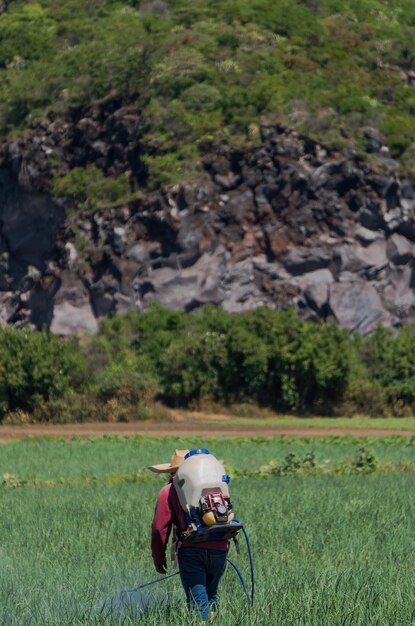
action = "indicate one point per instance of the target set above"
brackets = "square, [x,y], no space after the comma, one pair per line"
[202,70]
[271,358]
[87,187]
[36,367]
[268,357]
[265,358]
[327,549]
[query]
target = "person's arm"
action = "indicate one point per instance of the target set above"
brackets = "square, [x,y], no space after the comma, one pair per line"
[160,530]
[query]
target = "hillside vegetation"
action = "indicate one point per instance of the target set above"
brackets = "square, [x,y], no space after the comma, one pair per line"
[213,70]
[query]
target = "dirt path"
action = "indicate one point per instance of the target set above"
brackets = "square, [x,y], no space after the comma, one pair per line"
[183,429]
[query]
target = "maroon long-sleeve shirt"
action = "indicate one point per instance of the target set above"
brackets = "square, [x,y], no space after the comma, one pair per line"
[168,512]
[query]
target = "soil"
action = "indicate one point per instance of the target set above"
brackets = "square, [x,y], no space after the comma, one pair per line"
[185,427]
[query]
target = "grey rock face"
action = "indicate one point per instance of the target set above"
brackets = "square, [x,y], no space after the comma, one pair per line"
[316,296]
[398,292]
[357,305]
[372,256]
[367,236]
[400,250]
[72,312]
[184,289]
[374,140]
[288,223]
[72,320]
[312,282]
[300,261]
[8,307]
[371,219]
[29,222]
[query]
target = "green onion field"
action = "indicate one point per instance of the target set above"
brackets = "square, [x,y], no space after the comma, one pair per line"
[330,523]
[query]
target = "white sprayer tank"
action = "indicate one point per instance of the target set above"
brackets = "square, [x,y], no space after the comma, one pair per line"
[199,474]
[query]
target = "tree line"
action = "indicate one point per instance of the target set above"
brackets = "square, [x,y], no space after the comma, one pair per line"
[143,361]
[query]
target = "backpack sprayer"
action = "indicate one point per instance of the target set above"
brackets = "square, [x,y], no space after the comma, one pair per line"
[202,486]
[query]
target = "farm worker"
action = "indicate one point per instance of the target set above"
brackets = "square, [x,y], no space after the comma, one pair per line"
[201,564]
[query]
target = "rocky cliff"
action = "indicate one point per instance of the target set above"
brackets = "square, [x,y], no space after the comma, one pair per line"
[288,222]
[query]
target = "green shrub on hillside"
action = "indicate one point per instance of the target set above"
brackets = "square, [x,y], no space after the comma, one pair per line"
[308,364]
[117,383]
[364,397]
[192,367]
[388,373]
[26,34]
[35,367]
[136,340]
[390,357]
[87,187]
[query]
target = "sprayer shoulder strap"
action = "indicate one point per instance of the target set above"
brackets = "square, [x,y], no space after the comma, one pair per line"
[175,545]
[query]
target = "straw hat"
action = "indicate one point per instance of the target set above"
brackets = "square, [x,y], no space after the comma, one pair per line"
[175,461]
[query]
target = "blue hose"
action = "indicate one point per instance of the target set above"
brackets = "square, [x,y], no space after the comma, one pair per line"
[251,565]
[250,597]
[241,578]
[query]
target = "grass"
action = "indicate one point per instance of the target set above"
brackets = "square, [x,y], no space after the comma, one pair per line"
[357,422]
[99,457]
[328,550]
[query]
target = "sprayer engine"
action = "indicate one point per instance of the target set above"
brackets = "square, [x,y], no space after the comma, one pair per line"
[215,508]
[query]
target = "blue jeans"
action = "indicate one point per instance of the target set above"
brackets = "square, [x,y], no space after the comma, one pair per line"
[201,571]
